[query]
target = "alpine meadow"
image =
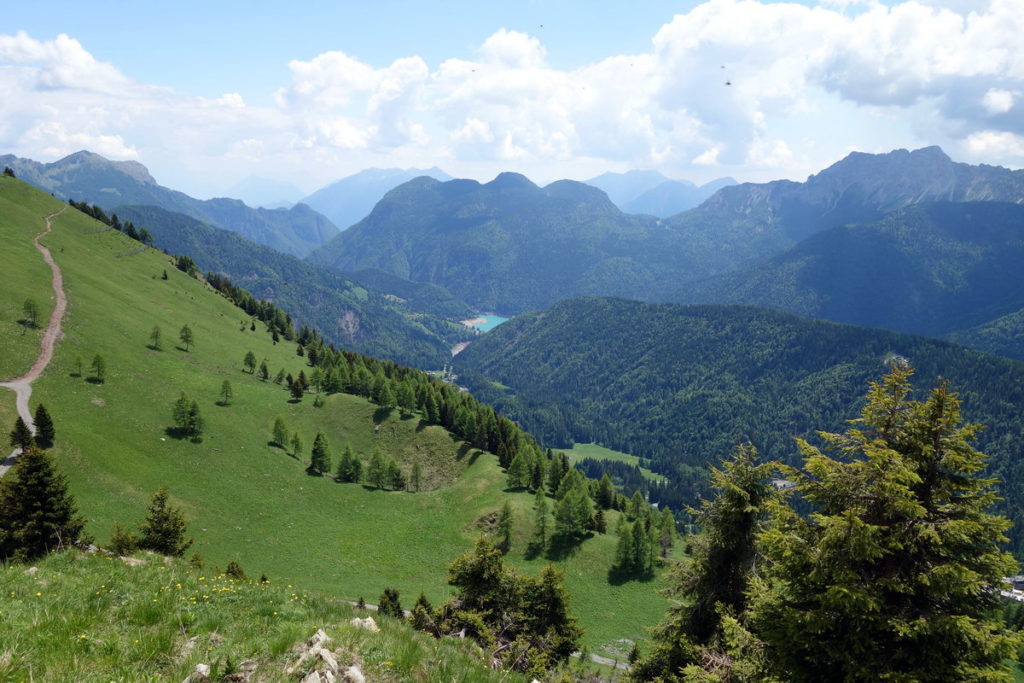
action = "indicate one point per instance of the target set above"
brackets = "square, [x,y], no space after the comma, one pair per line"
[523,342]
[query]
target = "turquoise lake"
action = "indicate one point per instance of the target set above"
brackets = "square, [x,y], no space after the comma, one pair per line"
[490,322]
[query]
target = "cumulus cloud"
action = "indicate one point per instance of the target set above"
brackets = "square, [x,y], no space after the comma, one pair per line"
[782,87]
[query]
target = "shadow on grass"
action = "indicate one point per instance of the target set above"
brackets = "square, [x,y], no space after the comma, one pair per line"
[94,380]
[183,434]
[382,413]
[618,576]
[563,547]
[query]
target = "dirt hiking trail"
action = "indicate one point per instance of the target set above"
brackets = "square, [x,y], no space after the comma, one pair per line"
[22,386]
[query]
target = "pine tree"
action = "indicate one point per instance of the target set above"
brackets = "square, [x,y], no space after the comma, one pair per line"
[320,456]
[264,371]
[186,337]
[21,435]
[164,529]
[44,427]
[280,432]
[416,477]
[297,445]
[249,361]
[505,528]
[393,475]
[154,338]
[296,390]
[39,514]
[605,493]
[540,522]
[226,393]
[179,413]
[666,531]
[389,606]
[376,473]
[195,424]
[717,575]
[892,575]
[99,368]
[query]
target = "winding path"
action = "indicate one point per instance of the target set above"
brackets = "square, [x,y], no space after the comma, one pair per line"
[22,386]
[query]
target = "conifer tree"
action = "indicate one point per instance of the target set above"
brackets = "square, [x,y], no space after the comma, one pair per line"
[264,371]
[226,393]
[320,457]
[891,577]
[186,337]
[717,575]
[21,435]
[45,432]
[154,338]
[39,514]
[376,473]
[666,531]
[280,432]
[540,522]
[164,529]
[389,606]
[605,497]
[99,368]
[393,476]
[505,528]
[297,445]
[415,480]
[249,361]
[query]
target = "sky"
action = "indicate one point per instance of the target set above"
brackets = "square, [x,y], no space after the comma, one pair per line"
[206,94]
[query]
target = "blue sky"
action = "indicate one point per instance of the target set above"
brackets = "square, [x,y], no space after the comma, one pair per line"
[205,94]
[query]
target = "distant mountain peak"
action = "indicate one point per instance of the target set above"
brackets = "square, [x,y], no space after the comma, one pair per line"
[509,180]
[132,169]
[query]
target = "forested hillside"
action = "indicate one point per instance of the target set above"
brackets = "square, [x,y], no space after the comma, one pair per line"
[406,322]
[929,269]
[85,176]
[682,385]
[508,245]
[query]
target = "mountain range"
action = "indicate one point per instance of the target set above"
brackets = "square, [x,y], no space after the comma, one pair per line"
[510,245]
[85,176]
[652,193]
[507,245]
[350,199]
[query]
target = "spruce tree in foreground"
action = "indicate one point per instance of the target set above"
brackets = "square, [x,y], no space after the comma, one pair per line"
[894,575]
[164,529]
[715,579]
[45,432]
[37,514]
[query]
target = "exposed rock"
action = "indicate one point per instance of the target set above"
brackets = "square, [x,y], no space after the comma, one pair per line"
[201,673]
[132,561]
[353,675]
[368,623]
[31,570]
[318,638]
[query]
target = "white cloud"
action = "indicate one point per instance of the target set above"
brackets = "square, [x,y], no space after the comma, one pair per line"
[998,101]
[776,89]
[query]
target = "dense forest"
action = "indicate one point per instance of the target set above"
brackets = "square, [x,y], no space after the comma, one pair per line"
[682,385]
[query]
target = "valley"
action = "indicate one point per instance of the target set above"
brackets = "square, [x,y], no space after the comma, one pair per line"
[246,499]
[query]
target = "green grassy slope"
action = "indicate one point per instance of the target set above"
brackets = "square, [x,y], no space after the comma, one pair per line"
[246,500]
[94,618]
